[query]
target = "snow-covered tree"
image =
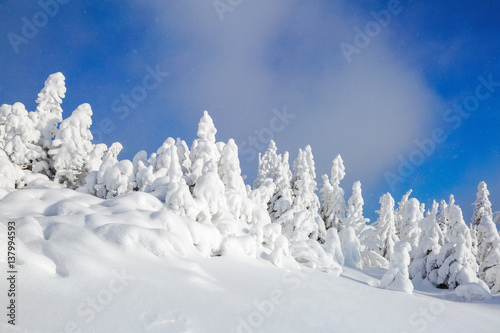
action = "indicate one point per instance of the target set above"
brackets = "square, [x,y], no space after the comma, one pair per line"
[454,264]
[21,138]
[5,110]
[482,207]
[386,226]
[269,164]
[428,245]
[304,187]
[370,243]
[72,146]
[229,169]
[489,253]
[183,152]
[400,213]
[113,178]
[354,216]
[333,246]
[443,220]
[166,164]
[210,194]
[282,199]
[204,148]
[409,224]
[350,247]
[397,277]
[333,206]
[48,113]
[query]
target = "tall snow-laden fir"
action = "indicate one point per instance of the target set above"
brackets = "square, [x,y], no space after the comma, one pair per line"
[72,146]
[386,225]
[204,148]
[482,207]
[333,206]
[455,263]
[488,254]
[409,223]
[429,244]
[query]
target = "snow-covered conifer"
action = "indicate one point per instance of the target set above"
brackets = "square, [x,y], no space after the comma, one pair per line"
[21,138]
[333,206]
[229,169]
[204,148]
[410,230]
[386,226]
[114,177]
[489,253]
[350,247]
[282,199]
[183,152]
[428,245]
[482,207]
[72,146]
[443,220]
[454,264]
[304,187]
[397,277]
[333,246]
[48,113]
[210,193]
[400,212]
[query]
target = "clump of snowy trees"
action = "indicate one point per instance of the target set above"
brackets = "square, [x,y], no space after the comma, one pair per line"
[282,211]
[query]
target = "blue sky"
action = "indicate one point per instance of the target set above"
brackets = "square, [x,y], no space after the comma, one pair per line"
[250,62]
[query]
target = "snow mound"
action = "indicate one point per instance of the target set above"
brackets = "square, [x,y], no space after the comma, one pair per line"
[470,292]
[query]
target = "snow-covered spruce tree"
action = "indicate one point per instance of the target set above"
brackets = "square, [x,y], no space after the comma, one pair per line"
[489,253]
[370,243]
[443,220]
[229,169]
[400,212]
[282,199]
[48,115]
[428,245]
[183,152]
[71,148]
[454,264]
[209,193]
[236,193]
[482,207]
[333,206]
[397,277]
[113,178]
[203,149]
[304,187]
[5,110]
[410,230]
[20,141]
[386,226]
[269,164]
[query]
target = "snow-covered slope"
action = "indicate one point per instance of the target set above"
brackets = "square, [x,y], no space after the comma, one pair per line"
[129,264]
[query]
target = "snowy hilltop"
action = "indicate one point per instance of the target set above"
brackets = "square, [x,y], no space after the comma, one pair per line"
[175,241]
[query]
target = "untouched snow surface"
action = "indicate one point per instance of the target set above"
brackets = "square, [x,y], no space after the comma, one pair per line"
[128,264]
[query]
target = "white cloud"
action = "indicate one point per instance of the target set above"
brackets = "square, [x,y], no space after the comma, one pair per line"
[369,110]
